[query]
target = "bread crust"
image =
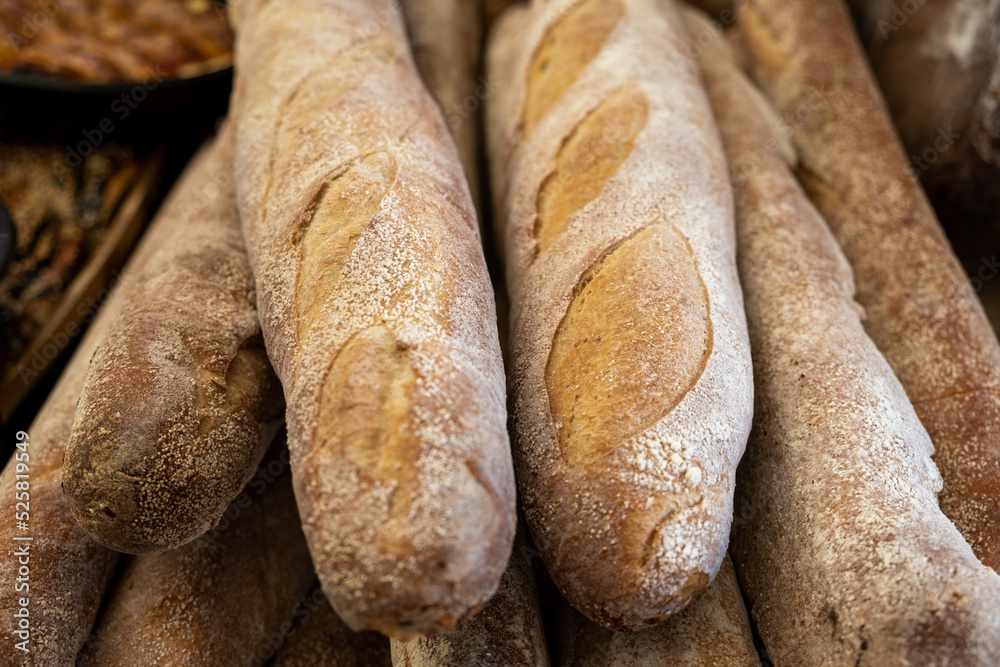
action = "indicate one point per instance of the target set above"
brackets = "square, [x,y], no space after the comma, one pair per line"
[618,212]
[920,307]
[940,76]
[713,630]
[845,557]
[217,601]
[322,640]
[180,400]
[377,313]
[69,571]
[507,632]
[445,37]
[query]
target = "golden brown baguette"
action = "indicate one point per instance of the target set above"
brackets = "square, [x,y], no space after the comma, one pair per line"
[445,37]
[377,313]
[845,557]
[215,601]
[920,308]
[508,631]
[631,383]
[68,570]
[713,630]
[180,399]
[322,640]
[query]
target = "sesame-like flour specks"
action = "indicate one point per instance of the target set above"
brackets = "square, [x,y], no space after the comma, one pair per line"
[634,526]
[377,313]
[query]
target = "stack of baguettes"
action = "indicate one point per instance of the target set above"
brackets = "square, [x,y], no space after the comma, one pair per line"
[666,235]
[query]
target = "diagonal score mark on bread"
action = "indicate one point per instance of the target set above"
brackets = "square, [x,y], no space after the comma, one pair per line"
[564,54]
[664,330]
[367,394]
[352,197]
[313,100]
[588,157]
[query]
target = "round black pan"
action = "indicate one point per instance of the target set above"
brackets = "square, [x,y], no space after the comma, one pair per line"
[80,116]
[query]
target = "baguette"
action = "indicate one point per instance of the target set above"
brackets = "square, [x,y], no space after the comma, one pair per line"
[322,640]
[940,75]
[65,572]
[69,571]
[630,378]
[508,631]
[180,399]
[215,601]
[921,310]
[445,36]
[377,313]
[845,557]
[713,630]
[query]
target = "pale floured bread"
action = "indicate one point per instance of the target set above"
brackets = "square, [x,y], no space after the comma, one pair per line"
[920,307]
[180,399]
[631,384]
[845,557]
[508,631]
[322,640]
[377,314]
[713,630]
[445,38]
[68,569]
[217,601]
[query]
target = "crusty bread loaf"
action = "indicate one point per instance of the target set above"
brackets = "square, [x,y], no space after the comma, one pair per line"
[631,384]
[508,631]
[180,399]
[713,630]
[377,313]
[940,74]
[322,640]
[445,37]
[845,557]
[68,570]
[215,601]
[921,310]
